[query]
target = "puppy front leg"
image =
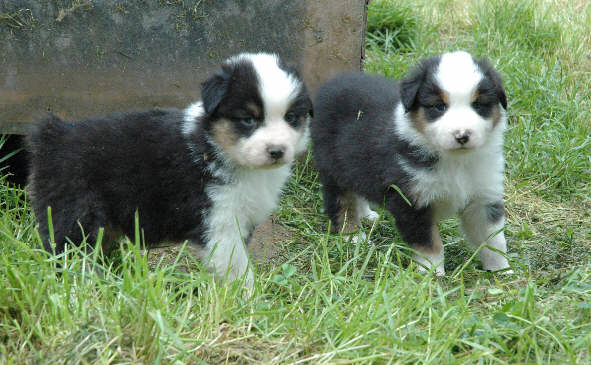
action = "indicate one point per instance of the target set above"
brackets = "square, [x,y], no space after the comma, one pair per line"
[480,220]
[431,256]
[226,256]
[418,229]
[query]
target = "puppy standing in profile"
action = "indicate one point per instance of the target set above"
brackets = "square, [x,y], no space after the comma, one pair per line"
[207,174]
[437,136]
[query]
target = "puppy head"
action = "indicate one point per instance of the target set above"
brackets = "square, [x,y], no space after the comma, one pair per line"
[256,111]
[454,102]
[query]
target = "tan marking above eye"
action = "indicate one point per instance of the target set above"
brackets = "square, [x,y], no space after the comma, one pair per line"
[475,95]
[254,109]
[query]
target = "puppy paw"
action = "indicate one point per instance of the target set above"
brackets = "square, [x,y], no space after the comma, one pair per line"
[496,263]
[427,264]
[358,237]
[503,271]
[439,270]
[370,215]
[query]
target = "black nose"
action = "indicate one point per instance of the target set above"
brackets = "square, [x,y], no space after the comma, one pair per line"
[462,137]
[276,152]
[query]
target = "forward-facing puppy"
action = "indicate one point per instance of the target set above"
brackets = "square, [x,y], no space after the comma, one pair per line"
[207,174]
[437,136]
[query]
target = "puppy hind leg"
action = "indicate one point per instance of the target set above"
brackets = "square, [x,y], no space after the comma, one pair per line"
[363,209]
[72,218]
[339,206]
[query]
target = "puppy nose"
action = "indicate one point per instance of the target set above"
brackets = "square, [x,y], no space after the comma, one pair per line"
[462,137]
[276,152]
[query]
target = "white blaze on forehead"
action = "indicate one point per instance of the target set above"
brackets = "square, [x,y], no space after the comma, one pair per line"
[457,74]
[276,87]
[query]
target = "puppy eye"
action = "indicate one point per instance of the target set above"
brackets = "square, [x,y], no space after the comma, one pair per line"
[441,107]
[247,122]
[291,118]
[477,105]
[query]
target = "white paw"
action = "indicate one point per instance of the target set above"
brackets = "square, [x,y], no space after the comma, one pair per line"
[247,279]
[427,264]
[248,284]
[502,270]
[363,209]
[358,237]
[370,215]
[439,270]
[493,261]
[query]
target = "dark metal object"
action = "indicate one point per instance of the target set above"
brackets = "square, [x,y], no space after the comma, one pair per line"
[79,58]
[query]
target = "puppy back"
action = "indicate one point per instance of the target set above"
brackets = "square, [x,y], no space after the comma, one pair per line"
[345,95]
[44,133]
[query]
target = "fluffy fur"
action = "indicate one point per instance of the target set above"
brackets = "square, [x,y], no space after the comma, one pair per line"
[437,136]
[207,174]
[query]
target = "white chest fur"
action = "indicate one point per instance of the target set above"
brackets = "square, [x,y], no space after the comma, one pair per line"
[245,202]
[237,207]
[459,178]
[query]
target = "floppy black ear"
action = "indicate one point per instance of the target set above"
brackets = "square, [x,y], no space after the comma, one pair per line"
[292,69]
[409,88]
[308,101]
[496,79]
[213,91]
[499,87]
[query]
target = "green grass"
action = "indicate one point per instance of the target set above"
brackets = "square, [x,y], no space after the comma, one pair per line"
[324,300]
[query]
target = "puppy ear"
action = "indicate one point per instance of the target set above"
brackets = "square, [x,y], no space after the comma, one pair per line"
[409,86]
[308,101]
[499,87]
[294,70]
[496,79]
[213,91]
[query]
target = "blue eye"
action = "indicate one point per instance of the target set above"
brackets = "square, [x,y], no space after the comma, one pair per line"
[290,118]
[441,107]
[247,122]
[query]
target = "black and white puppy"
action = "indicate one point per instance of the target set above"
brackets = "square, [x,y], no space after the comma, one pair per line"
[437,136]
[207,174]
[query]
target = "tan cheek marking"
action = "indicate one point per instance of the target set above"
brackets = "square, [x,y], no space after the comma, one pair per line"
[496,115]
[475,96]
[223,134]
[419,119]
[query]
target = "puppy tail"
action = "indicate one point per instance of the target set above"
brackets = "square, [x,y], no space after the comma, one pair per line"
[42,144]
[46,133]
